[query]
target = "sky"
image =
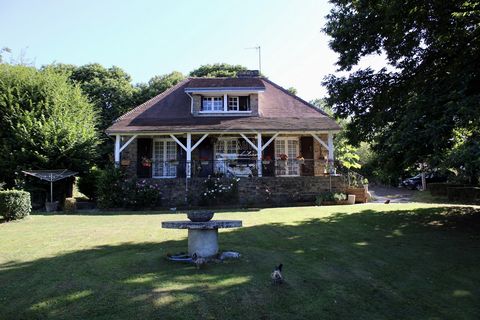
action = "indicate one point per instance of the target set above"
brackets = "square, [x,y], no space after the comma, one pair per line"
[148,38]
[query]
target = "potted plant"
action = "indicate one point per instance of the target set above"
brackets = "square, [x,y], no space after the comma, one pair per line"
[146,162]
[266,159]
[300,159]
[282,160]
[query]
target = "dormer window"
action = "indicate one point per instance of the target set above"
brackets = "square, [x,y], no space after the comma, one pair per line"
[212,104]
[233,103]
[225,104]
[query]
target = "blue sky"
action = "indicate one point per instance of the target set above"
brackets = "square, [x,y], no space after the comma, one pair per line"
[148,38]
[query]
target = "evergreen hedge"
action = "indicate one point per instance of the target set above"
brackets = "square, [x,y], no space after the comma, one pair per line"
[15,204]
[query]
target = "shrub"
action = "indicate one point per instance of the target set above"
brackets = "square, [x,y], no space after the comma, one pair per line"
[145,194]
[116,190]
[70,205]
[329,196]
[219,191]
[15,204]
[110,188]
[87,183]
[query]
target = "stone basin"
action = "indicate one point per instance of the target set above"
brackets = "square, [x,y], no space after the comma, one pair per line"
[202,236]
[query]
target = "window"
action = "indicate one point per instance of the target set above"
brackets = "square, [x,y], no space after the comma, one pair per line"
[289,147]
[233,103]
[164,152]
[226,147]
[244,103]
[212,104]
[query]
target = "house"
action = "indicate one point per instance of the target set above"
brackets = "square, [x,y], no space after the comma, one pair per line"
[246,127]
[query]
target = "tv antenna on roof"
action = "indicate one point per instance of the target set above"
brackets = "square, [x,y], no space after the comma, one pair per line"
[259,57]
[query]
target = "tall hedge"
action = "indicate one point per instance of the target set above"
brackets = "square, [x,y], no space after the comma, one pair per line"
[14,204]
[45,122]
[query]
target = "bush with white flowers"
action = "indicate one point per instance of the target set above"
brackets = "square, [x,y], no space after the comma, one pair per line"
[219,190]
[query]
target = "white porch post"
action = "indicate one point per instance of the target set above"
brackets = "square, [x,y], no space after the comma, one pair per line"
[117,150]
[189,155]
[259,153]
[330,152]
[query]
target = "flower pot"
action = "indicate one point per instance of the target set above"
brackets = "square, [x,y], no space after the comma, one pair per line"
[200,215]
[351,199]
[51,206]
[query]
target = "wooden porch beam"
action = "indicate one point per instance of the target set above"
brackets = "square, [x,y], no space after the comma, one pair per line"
[117,150]
[178,142]
[199,141]
[249,142]
[270,140]
[320,141]
[127,143]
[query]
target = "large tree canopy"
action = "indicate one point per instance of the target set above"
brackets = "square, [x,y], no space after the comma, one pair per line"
[109,89]
[157,85]
[414,110]
[45,122]
[217,70]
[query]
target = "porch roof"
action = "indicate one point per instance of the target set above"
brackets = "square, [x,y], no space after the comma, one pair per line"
[170,111]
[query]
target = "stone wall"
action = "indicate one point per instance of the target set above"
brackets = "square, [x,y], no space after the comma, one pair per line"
[253,191]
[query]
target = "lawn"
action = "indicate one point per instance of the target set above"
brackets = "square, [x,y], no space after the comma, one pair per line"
[397,261]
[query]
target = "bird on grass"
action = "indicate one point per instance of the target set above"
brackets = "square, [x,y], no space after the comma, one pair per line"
[387,202]
[276,276]
[199,261]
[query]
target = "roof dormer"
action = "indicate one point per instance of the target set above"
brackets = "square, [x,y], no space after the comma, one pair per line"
[224,96]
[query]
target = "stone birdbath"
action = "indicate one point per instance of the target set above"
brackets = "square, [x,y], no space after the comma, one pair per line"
[202,232]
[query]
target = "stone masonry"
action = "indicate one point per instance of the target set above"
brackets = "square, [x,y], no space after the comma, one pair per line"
[253,191]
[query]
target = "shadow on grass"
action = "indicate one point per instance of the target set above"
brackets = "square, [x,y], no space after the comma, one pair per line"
[398,264]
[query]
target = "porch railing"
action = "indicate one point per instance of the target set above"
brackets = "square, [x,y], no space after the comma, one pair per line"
[240,168]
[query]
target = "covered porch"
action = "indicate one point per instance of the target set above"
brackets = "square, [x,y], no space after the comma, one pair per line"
[229,154]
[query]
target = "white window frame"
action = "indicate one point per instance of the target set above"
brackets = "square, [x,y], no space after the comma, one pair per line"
[212,101]
[235,101]
[164,161]
[285,141]
[226,105]
[224,154]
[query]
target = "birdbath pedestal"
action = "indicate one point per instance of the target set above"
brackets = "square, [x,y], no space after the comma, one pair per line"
[202,236]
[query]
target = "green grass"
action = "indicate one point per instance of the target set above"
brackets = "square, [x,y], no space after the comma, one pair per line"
[397,261]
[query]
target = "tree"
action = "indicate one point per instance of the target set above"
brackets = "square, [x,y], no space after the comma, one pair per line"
[157,85]
[345,153]
[410,111]
[217,70]
[45,122]
[2,50]
[292,90]
[109,89]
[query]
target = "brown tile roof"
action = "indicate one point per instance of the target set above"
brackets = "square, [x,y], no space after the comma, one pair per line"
[170,111]
[225,83]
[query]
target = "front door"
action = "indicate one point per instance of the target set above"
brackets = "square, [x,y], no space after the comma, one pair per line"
[289,147]
[164,158]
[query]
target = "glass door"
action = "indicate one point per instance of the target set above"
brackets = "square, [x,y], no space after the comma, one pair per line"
[164,156]
[287,148]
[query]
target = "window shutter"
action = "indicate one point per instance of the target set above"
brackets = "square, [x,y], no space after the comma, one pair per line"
[144,150]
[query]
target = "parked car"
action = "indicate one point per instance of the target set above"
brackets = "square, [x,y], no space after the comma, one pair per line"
[415,182]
